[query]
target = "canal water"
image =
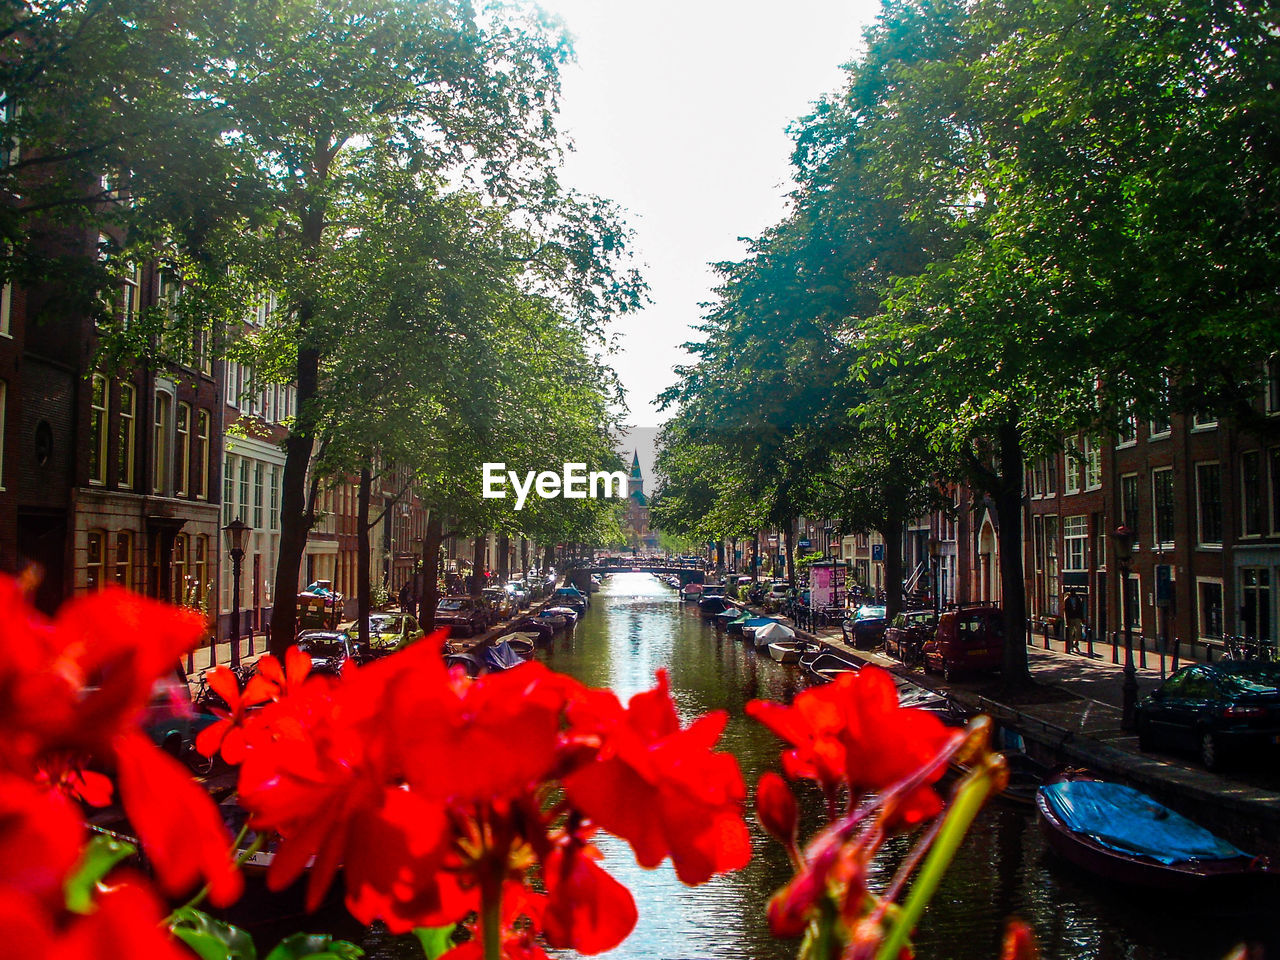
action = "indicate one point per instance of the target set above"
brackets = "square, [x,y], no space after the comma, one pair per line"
[637,625]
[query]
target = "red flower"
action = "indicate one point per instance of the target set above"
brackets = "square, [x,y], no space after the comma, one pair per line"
[177,823]
[586,909]
[853,731]
[776,808]
[41,834]
[228,733]
[659,787]
[1019,944]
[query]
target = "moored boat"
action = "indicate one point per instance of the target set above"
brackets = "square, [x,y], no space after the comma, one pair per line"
[1124,835]
[735,626]
[789,651]
[771,633]
[691,591]
[828,665]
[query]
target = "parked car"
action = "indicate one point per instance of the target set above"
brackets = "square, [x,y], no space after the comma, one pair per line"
[463,615]
[329,650]
[908,635]
[970,639]
[389,632]
[1221,711]
[518,592]
[501,606]
[866,627]
[172,719]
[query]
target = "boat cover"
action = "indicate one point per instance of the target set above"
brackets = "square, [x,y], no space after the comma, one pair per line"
[732,613]
[502,656]
[568,592]
[758,621]
[773,631]
[1123,819]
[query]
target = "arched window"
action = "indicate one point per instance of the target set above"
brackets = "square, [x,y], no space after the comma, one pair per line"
[99,403]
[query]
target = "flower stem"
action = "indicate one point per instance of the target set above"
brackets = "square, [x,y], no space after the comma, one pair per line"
[491,918]
[971,794]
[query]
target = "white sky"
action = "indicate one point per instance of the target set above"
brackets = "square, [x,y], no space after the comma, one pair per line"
[678,110]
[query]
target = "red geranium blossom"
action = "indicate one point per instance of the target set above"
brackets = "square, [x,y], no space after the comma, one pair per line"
[659,787]
[853,731]
[227,733]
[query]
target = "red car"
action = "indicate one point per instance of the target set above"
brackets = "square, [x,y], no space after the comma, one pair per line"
[969,640]
[463,615]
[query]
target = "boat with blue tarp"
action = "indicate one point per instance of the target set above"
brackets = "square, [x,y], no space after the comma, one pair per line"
[1124,835]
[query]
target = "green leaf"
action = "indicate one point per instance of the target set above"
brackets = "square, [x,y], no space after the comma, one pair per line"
[101,854]
[210,938]
[435,940]
[314,946]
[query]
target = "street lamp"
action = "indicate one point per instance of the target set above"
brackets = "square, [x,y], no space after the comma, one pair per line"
[1123,537]
[935,565]
[235,532]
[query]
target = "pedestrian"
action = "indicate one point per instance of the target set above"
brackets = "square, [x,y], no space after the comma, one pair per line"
[403,597]
[1073,613]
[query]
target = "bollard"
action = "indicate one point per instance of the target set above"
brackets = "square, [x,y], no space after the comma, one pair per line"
[1044,625]
[1142,650]
[1088,631]
[1115,647]
[1176,643]
[213,650]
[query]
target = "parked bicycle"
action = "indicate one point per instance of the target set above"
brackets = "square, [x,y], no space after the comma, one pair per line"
[1248,648]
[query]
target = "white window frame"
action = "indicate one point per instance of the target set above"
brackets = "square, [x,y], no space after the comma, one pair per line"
[1155,508]
[181,449]
[1092,464]
[6,309]
[162,441]
[1198,424]
[1200,540]
[128,420]
[203,443]
[1222,595]
[1075,538]
[1071,469]
[1244,498]
[99,438]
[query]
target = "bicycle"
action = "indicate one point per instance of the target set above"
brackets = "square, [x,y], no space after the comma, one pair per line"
[1240,648]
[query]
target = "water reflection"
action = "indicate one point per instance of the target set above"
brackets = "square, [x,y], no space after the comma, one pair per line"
[637,625]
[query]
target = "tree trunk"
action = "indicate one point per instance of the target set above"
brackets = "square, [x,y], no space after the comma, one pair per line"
[363,557]
[477,567]
[548,558]
[1013,592]
[892,533]
[524,557]
[295,520]
[720,556]
[755,556]
[504,558]
[788,534]
[431,541]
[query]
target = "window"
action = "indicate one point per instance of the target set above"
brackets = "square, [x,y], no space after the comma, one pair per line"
[1203,421]
[94,559]
[199,571]
[1127,433]
[1209,503]
[1071,471]
[4,397]
[1099,541]
[6,308]
[124,559]
[228,489]
[1075,533]
[1051,476]
[1251,494]
[259,482]
[243,505]
[1274,470]
[128,414]
[1273,383]
[160,441]
[1092,464]
[1133,601]
[233,369]
[182,450]
[1037,479]
[1162,505]
[202,454]
[130,295]
[274,510]
[178,585]
[1209,609]
[98,409]
[1129,504]
[1255,602]
[8,138]
[1159,428]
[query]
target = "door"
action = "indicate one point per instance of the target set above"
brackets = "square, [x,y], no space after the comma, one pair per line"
[42,542]
[257,591]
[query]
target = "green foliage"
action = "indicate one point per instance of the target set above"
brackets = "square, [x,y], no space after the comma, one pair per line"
[101,853]
[435,941]
[213,939]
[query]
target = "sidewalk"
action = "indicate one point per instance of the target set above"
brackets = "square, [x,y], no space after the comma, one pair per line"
[1072,714]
